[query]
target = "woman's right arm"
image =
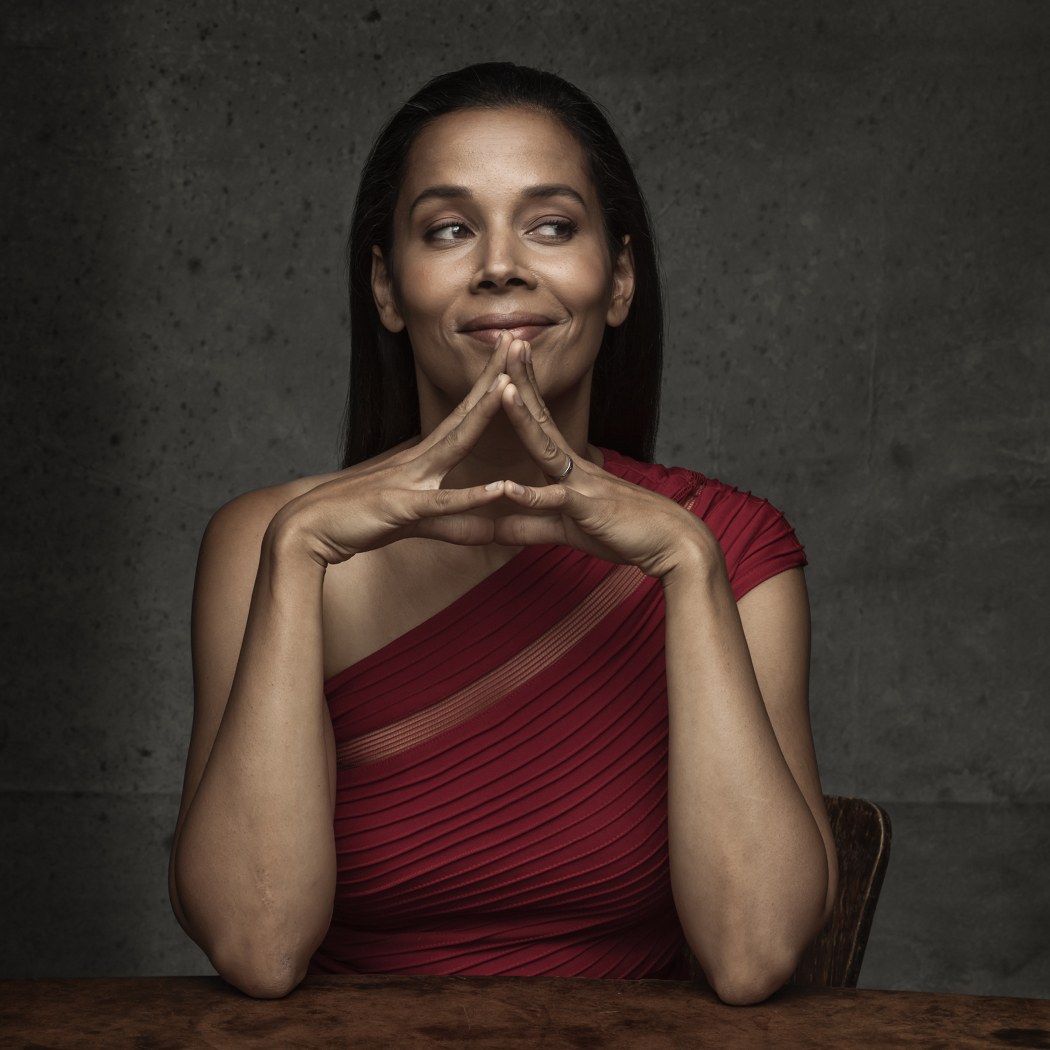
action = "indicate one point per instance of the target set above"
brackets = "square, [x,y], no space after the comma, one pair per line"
[252,874]
[253,862]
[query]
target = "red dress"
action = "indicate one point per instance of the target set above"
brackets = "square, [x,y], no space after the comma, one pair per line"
[501,802]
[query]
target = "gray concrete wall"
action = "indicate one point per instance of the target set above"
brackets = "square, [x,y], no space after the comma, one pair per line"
[852,202]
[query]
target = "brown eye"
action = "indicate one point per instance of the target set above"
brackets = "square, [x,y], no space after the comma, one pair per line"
[449,232]
[556,229]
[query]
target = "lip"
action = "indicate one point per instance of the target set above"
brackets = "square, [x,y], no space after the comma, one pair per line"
[486,329]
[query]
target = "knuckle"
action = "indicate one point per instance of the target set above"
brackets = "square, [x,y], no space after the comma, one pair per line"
[443,501]
[452,440]
[395,506]
[550,449]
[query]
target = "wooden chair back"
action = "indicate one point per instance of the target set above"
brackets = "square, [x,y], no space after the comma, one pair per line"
[862,833]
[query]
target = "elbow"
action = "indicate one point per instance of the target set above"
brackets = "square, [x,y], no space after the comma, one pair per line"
[264,965]
[265,985]
[744,981]
[261,977]
[258,950]
[746,987]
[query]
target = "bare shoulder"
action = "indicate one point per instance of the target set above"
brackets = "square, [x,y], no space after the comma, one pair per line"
[245,518]
[243,521]
[227,565]
[233,539]
[227,568]
[222,594]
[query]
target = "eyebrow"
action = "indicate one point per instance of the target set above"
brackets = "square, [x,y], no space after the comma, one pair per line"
[552,189]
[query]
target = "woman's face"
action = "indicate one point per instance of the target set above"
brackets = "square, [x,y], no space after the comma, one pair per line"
[498,226]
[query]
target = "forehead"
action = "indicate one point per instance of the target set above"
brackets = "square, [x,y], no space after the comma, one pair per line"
[495,149]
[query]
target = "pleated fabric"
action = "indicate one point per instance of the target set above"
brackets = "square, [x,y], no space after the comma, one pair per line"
[502,787]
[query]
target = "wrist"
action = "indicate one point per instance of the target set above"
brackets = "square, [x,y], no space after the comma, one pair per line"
[290,542]
[698,559]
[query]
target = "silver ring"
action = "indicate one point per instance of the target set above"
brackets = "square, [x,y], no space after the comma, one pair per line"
[566,472]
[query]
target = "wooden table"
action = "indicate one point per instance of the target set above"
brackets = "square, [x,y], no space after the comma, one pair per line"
[502,1013]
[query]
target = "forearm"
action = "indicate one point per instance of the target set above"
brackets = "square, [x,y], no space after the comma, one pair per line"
[749,867]
[254,865]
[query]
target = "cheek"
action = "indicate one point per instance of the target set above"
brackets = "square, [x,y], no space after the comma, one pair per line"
[428,290]
[425,289]
[584,284]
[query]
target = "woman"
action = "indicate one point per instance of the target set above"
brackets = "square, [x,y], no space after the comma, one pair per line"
[551,697]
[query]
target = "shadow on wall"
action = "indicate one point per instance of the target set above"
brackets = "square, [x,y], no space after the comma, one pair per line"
[86,814]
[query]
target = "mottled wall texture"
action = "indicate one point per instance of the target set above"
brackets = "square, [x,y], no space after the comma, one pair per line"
[853,205]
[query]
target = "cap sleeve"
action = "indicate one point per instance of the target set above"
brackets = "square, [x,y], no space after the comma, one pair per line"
[756,538]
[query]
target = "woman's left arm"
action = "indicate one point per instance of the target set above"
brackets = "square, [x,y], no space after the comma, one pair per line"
[753,864]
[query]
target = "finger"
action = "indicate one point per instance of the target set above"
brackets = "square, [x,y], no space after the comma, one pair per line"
[573,510]
[550,456]
[455,444]
[493,367]
[440,503]
[549,499]
[496,364]
[523,376]
[528,530]
[467,530]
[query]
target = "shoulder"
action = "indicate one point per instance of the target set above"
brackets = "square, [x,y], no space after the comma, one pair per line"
[677,483]
[245,519]
[757,539]
[228,560]
[229,552]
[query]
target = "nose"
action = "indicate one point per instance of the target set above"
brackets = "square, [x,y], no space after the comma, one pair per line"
[501,264]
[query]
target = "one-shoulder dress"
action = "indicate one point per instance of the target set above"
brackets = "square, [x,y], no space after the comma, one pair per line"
[501,797]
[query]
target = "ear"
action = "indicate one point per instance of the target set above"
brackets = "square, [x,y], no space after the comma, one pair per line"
[623,286]
[383,293]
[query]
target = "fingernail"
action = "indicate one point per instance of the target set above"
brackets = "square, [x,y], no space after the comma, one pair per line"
[515,488]
[528,353]
[492,385]
[492,485]
[517,397]
[500,336]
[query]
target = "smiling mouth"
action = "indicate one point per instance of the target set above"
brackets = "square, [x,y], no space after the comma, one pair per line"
[522,326]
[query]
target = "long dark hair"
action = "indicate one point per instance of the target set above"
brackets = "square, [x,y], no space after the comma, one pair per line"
[382,404]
